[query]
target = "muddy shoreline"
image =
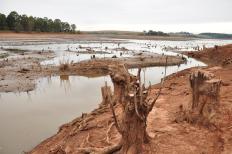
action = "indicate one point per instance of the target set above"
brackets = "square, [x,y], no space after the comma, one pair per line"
[18,74]
[89,130]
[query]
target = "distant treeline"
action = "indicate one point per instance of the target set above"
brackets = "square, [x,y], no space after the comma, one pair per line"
[216,35]
[24,23]
[187,34]
[155,33]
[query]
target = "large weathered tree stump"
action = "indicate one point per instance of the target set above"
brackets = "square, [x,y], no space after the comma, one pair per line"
[205,97]
[132,126]
[131,95]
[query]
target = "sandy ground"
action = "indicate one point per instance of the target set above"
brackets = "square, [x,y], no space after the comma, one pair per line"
[167,136]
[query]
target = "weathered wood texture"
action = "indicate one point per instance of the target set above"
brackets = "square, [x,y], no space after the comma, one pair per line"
[205,95]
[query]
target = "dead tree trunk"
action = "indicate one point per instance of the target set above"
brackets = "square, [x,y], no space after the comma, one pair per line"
[205,96]
[132,96]
[134,133]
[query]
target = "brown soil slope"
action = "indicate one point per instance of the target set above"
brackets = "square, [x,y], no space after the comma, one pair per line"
[95,130]
[214,56]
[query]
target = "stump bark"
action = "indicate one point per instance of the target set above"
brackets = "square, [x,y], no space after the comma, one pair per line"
[131,95]
[133,123]
[205,97]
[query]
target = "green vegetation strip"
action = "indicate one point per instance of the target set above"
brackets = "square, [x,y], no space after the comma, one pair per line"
[4,55]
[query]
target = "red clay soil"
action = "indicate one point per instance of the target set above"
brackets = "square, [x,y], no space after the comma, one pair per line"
[167,136]
[219,55]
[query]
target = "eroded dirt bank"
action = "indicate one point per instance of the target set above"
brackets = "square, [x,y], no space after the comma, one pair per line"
[96,129]
[219,55]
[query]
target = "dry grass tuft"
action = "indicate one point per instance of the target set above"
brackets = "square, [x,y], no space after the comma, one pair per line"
[64,67]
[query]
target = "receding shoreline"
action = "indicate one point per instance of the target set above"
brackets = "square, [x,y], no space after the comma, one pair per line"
[89,130]
[161,127]
[27,69]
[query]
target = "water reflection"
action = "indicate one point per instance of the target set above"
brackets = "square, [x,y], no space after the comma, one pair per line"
[65,82]
[28,118]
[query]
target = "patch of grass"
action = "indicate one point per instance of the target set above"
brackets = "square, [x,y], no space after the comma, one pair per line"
[4,55]
[64,65]
[16,51]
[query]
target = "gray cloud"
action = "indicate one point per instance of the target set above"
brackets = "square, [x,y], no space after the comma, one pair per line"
[126,12]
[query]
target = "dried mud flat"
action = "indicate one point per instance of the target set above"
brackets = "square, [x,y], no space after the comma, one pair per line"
[95,130]
[18,74]
[19,71]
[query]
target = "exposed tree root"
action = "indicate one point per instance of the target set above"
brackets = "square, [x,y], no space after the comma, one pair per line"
[106,150]
[88,142]
[108,133]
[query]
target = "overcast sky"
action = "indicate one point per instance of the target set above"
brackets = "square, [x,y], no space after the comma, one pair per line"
[166,15]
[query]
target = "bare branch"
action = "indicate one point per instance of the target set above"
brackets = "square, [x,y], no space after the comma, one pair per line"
[138,74]
[144,76]
[106,150]
[114,116]
[149,88]
[140,96]
[140,87]
[136,108]
[161,86]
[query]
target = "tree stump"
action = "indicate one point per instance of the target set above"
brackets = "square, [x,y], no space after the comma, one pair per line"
[132,95]
[205,97]
[106,94]
[129,93]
